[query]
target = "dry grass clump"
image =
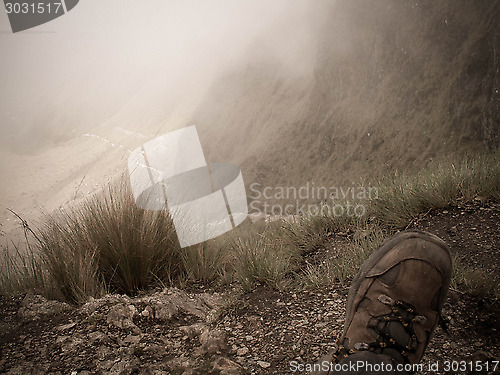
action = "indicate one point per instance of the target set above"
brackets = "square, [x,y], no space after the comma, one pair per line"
[402,198]
[107,243]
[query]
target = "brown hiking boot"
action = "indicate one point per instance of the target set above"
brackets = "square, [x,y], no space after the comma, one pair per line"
[395,300]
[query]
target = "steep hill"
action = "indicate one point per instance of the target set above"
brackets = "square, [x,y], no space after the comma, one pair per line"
[394,84]
[343,91]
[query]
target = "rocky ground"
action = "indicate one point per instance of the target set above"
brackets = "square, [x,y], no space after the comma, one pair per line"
[174,332]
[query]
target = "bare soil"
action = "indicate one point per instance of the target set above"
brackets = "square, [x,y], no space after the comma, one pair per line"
[265,329]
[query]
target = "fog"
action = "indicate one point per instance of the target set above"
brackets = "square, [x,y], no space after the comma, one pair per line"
[310,90]
[133,63]
[77,92]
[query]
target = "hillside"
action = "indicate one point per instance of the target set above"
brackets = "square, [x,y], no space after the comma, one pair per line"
[260,332]
[393,85]
[341,92]
[402,95]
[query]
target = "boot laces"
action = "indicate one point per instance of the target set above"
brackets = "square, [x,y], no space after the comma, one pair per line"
[401,312]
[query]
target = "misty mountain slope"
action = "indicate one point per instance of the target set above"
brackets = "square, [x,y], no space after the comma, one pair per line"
[395,84]
[348,89]
[257,106]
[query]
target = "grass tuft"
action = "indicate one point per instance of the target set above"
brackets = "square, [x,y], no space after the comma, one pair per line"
[21,271]
[205,262]
[261,259]
[344,264]
[474,280]
[108,244]
[402,198]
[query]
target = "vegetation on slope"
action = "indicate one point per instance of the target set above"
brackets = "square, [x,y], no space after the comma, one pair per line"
[394,86]
[108,244]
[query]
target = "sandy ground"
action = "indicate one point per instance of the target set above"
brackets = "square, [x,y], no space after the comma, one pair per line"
[33,186]
[36,185]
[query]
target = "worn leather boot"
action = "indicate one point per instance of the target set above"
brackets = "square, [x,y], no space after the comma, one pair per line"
[395,301]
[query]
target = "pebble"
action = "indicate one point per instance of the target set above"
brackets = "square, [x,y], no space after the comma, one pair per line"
[263,364]
[242,351]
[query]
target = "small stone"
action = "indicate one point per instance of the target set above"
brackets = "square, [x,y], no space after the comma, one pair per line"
[242,351]
[121,315]
[98,337]
[61,339]
[194,330]
[132,339]
[147,312]
[212,342]
[64,327]
[225,366]
[263,364]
